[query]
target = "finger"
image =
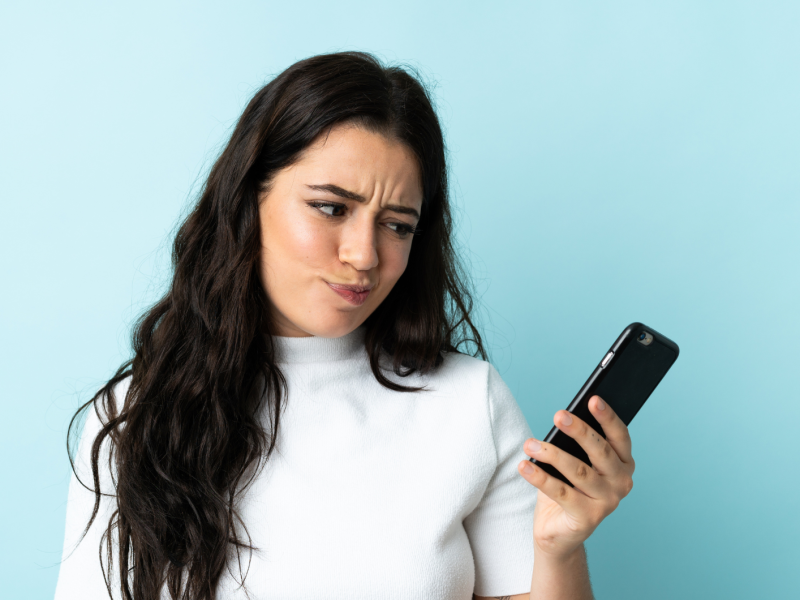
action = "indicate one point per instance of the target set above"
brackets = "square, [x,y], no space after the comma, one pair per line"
[615,430]
[581,475]
[601,454]
[570,499]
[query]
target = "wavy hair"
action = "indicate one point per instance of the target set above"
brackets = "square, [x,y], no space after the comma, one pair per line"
[190,433]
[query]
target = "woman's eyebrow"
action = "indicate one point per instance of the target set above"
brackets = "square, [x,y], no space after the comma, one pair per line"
[343,193]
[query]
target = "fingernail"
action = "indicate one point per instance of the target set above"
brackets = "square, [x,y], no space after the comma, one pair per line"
[528,468]
[534,445]
[566,419]
[600,404]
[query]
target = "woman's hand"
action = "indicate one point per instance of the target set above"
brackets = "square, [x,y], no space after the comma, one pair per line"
[565,516]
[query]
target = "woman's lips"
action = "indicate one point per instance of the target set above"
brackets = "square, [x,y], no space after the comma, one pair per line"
[354,294]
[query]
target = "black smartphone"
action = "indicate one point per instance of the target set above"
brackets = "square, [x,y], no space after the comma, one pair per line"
[625,378]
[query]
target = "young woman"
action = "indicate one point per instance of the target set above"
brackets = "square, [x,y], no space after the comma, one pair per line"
[298,420]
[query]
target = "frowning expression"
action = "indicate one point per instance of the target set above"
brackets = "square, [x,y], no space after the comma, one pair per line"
[336,231]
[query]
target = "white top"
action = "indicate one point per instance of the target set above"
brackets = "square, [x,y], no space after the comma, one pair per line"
[370,493]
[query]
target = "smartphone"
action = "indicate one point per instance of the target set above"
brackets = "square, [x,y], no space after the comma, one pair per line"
[625,378]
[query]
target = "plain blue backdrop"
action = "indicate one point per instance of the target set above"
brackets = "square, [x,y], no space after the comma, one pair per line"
[611,162]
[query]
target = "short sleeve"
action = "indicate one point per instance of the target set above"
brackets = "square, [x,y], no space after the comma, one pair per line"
[80,576]
[500,529]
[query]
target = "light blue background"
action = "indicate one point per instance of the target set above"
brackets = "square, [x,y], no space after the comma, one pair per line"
[611,162]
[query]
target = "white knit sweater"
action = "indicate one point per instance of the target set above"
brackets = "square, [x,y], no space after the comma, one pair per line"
[371,493]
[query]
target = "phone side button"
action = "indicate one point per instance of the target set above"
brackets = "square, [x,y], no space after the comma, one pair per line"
[606,360]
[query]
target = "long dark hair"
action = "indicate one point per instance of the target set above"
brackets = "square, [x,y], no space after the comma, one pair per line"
[188,436]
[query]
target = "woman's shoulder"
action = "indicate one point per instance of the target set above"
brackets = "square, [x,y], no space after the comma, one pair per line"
[98,412]
[466,369]
[466,376]
[96,415]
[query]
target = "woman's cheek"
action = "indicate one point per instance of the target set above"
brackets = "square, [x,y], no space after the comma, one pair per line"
[308,242]
[394,261]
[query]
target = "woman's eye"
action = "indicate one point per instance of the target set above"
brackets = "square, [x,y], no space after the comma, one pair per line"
[401,229]
[332,210]
[328,209]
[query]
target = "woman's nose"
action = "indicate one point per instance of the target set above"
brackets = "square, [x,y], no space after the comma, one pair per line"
[357,246]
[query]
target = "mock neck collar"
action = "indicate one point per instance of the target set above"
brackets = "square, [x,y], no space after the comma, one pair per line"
[319,349]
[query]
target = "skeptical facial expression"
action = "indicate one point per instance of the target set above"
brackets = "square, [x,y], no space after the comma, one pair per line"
[336,231]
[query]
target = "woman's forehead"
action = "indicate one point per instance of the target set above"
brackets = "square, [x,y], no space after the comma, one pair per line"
[359,161]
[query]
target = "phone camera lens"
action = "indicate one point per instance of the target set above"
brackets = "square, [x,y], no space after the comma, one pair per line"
[645,338]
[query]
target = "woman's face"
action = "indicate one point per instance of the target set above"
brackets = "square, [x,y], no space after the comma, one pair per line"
[336,231]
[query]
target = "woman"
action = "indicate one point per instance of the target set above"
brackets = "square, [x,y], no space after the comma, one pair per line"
[297,420]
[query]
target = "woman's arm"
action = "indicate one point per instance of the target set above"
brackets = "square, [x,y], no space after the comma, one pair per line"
[565,578]
[558,579]
[565,516]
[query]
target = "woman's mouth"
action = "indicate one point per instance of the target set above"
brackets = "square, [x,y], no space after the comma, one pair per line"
[354,294]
